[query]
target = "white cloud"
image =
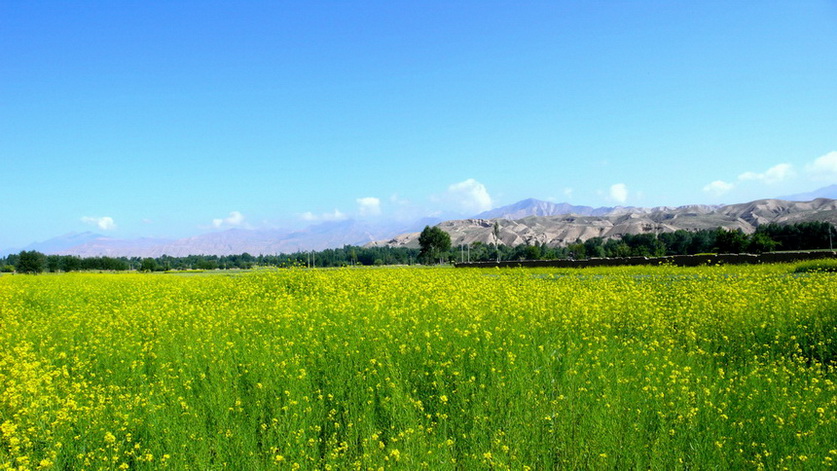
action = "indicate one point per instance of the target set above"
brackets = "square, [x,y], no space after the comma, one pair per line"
[369,206]
[105,223]
[469,196]
[823,168]
[619,193]
[718,187]
[775,174]
[235,219]
[336,215]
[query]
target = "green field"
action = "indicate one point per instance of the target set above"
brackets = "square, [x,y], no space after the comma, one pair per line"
[410,368]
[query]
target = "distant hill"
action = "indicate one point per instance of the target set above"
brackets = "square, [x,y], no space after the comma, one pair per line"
[824,192]
[63,242]
[112,247]
[534,207]
[236,241]
[557,230]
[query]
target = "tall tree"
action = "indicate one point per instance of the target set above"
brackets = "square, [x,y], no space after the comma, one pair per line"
[148,264]
[730,241]
[496,232]
[434,244]
[31,262]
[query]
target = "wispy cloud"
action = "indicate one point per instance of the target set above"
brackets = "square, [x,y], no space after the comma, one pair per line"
[469,196]
[718,188]
[105,223]
[823,168]
[336,215]
[235,219]
[619,193]
[368,206]
[775,174]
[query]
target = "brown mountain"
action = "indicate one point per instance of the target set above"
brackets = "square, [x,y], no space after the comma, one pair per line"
[564,229]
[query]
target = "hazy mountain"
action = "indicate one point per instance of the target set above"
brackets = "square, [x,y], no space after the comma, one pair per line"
[62,242]
[567,228]
[255,242]
[112,247]
[824,192]
[534,207]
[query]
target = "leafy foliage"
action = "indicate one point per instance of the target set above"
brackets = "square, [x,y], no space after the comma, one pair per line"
[800,236]
[31,262]
[435,243]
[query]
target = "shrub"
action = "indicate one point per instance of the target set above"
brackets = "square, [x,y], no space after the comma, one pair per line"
[826,265]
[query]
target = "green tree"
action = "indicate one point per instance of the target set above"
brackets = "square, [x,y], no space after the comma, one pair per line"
[496,232]
[677,242]
[577,250]
[434,243]
[644,245]
[731,241]
[594,247]
[761,242]
[532,252]
[31,262]
[148,264]
[206,264]
[53,263]
[702,241]
[617,248]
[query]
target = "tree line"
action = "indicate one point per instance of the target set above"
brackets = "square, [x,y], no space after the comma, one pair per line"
[36,262]
[436,248]
[766,238]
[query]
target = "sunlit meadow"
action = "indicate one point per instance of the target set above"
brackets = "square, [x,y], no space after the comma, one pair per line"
[641,367]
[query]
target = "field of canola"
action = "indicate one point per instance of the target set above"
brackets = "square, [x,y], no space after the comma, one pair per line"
[640,367]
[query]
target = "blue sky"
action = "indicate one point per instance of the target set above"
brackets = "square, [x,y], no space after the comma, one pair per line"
[169,119]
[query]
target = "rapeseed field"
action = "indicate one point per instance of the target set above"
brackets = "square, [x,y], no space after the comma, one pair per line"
[406,368]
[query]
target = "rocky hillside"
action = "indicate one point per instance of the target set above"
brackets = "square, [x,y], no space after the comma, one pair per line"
[558,230]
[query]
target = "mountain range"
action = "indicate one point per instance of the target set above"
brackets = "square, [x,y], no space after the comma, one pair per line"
[527,221]
[561,229]
[824,192]
[231,241]
[533,207]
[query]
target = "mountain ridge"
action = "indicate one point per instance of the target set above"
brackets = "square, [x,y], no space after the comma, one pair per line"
[236,241]
[535,207]
[556,230]
[824,192]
